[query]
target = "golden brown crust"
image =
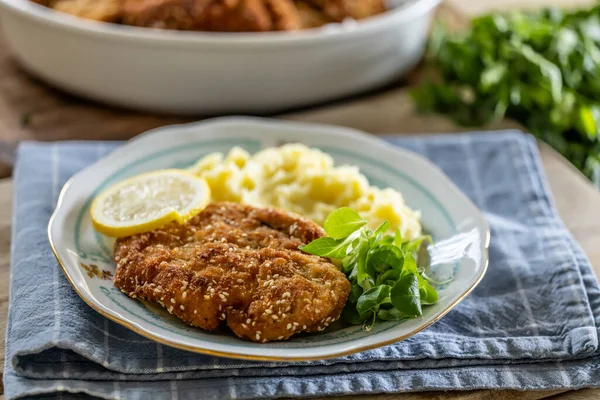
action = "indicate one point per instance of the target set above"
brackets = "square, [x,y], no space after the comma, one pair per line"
[165,14]
[338,10]
[237,15]
[311,17]
[284,15]
[105,10]
[238,264]
[212,15]
[220,15]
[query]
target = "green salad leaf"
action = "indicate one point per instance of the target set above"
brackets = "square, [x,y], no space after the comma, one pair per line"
[539,68]
[387,283]
[343,222]
[405,296]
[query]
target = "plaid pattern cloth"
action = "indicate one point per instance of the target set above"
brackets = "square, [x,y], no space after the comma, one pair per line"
[532,323]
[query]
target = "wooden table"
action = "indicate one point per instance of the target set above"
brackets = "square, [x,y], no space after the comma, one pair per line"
[31,110]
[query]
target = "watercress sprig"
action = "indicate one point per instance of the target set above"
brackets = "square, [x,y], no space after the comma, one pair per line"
[386,282]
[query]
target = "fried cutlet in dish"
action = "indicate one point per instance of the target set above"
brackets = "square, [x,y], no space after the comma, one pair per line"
[165,14]
[338,10]
[212,15]
[105,10]
[238,265]
[310,17]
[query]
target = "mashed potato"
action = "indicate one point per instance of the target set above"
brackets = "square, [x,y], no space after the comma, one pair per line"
[299,179]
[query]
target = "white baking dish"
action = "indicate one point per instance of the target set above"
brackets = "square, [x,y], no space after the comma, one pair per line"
[200,72]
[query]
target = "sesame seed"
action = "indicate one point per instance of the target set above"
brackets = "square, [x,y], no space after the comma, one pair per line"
[182,307]
[264,341]
[328,319]
[171,309]
[286,294]
[240,281]
[172,300]
[248,320]
[225,294]
[223,316]
[274,317]
[280,337]
[269,311]
[296,324]
[257,336]
[184,295]
[222,297]
[206,296]
[195,311]
[253,323]
[303,326]
[244,326]
[268,276]
[289,326]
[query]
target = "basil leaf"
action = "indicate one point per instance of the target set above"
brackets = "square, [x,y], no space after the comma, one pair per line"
[343,222]
[326,247]
[405,296]
[372,298]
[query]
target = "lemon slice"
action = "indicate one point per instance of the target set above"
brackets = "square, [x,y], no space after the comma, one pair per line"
[149,201]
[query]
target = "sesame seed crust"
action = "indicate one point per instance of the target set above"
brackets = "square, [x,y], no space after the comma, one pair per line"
[242,266]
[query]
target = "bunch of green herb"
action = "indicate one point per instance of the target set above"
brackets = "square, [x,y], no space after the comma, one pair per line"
[540,68]
[386,282]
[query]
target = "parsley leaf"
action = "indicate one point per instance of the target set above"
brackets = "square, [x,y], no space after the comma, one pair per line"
[539,68]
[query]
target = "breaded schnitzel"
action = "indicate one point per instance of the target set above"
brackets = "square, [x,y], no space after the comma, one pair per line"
[236,264]
[210,15]
[220,15]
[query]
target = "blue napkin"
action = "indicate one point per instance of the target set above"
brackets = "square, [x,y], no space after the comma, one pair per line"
[532,323]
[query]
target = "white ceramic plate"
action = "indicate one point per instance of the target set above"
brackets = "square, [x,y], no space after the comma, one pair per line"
[213,72]
[459,230]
